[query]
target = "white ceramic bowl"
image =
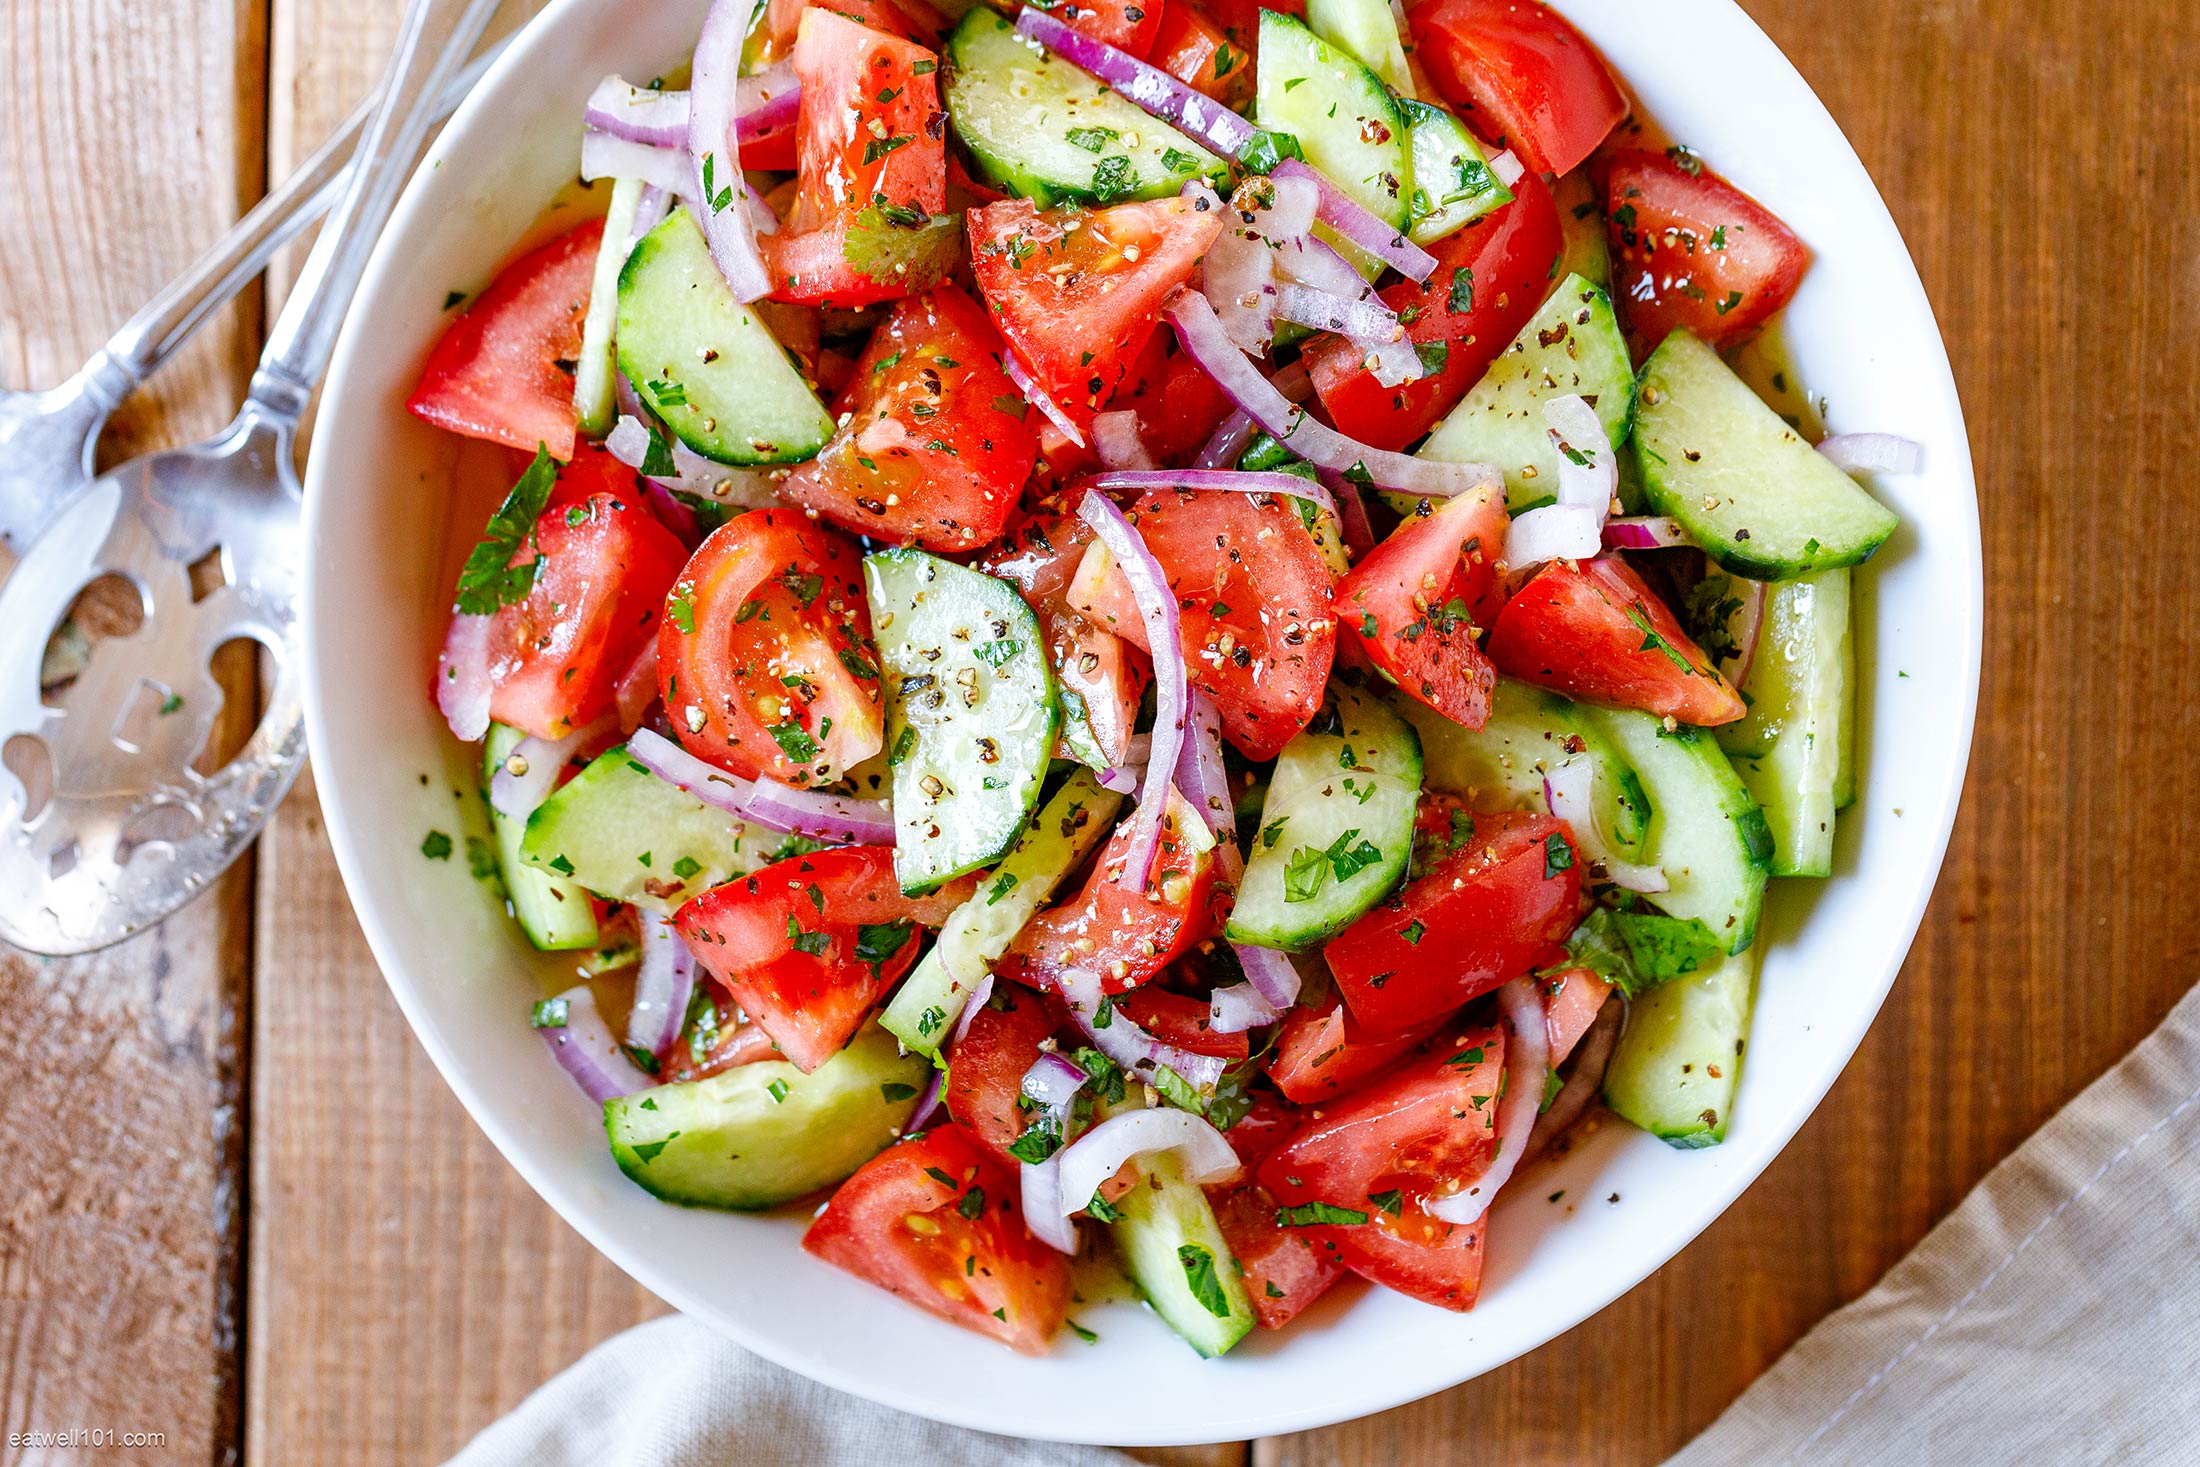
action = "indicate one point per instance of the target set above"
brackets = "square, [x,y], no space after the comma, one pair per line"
[381,566]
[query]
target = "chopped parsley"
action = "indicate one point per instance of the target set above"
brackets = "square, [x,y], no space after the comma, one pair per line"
[1206,1285]
[436,846]
[1319,1214]
[489,580]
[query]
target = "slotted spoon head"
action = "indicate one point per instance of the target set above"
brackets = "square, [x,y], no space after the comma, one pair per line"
[105,826]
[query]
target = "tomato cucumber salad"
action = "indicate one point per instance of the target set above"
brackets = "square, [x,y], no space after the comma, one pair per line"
[1145,625]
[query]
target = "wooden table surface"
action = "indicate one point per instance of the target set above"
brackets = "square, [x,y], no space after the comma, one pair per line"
[241,1210]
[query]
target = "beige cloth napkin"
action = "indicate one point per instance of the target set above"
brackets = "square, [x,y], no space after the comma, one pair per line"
[2053,1318]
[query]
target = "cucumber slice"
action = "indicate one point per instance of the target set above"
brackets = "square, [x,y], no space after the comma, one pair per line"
[1788,748]
[1336,828]
[1530,732]
[1586,251]
[1345,119]
[595,377]
[554,912]
[1705,831]
[629,836]
[971,716]
[1762,502]
[1174,1250]
[976,933]
[1680,1057]
[1369,32]
[1035,126]
[1844,779]
[1452,182]
[765,1133]
[705,363]
[1571,346]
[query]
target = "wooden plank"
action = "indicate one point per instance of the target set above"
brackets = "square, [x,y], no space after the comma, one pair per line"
[2041,158]
[121,1223]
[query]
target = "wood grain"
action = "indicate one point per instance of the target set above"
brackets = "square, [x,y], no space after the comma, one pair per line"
[2043,161]
[121,1221]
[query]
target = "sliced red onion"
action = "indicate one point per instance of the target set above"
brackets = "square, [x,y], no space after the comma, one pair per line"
[1883,453]
[1115,437]
[1123,779]
[713,153]
[1239,481]
[1359,534]
[1239,1007]
[1200,776]
[927,1103]
[1148,87]
[1554,532]
[649,213]
[974,1002]
[1527,1063]
[606,156]
[1039,399]
[662,986]
[1120,1039]
[1644,532]
[1222,450]
[1100,1153]
[462,683]
[1345,214]
[628,442]
[1508,168]
[1745,628]
[528,774]
[1157,608]
[767,101]
[1138,748]
[638,114]
[1568,791]
[1316,442]
[585,1049]
[1237,276]
[1052,1084]
[1293,205]
[1053,1081]
[1592,1057]
[764,801]
[1313,261]
[1347,315]
[1588,470]
[1271,973]
[636,688]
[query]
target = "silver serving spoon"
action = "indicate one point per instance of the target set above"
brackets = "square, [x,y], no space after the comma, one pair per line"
[105,828]
[47,437]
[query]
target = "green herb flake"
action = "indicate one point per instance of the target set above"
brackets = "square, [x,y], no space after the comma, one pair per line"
[1319,1214]
[550,1013]
[1199,1272]
[436,846]
[489,580]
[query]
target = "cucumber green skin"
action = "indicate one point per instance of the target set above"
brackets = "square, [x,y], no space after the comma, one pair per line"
[595,393]
[1161,1213]
[1581,225]
[606,817]
[1778,508]
[1788,748]
[1679,1060]
[978,722]
[554,913]
[1529,733]
[1443,202]
[1500,420]
[1013,108]
[744,403]
[1378,173]
[1365,30]
[1706,830]
[1306,791]
[1055,843]
[728,1144]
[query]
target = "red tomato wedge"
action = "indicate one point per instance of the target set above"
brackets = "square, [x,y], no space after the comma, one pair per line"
[1127,25]
[1325,1052]
[765,658]
[1124,937]
[1489,279]
[1178,404]
[1254,608]
[1182,1020]
[938,1222]
[873,167]
[984,1085]
[925,453]
[1076,329]
[1571,1001]
[1194,50]
[504,369]
[806,945]
[602,564]
[1690,249]
[1483,914]
[1284,1270]
[1520,74]
[1091,665]
[1418,601]
[1596,632]
[1427,1129]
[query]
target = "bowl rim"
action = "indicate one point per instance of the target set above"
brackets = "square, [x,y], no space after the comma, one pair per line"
[1400,1386]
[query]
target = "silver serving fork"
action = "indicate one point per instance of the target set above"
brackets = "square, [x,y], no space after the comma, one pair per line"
[105,828]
